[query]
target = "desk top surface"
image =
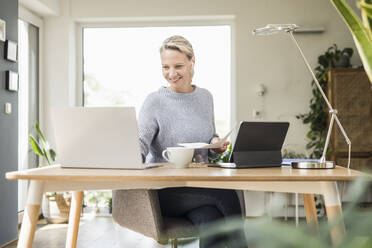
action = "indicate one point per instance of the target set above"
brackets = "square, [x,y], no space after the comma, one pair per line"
[202,173]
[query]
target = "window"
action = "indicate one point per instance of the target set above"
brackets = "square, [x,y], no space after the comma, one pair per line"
[122,65]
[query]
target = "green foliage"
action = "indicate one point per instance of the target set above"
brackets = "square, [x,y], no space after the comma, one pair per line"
[224,157]
[102,198]
[292,154]
[367,7]
[317,117]
[109,202]
[265,232]
[41,147]
[361,30]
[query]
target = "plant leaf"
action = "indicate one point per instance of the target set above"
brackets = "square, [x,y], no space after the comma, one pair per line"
[52,154]
[349,51]
[35,146]
[323,61]
[46,156]
[366,7]
[361,38]
[366,16]
[41,136]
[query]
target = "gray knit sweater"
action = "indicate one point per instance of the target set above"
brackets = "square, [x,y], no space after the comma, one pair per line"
[168,118]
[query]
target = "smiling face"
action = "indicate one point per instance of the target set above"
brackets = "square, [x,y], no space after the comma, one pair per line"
[177,70]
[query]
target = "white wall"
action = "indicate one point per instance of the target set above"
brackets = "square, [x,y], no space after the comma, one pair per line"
[59,63]
[42,7]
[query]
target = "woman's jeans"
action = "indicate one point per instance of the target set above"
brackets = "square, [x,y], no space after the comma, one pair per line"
[202,207]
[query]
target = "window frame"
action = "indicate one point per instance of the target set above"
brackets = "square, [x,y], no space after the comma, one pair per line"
[27,16]
[158,22]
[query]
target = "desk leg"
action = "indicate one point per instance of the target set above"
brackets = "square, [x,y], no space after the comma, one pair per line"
[334,211]
[74,219]
[310,210]
[31,214]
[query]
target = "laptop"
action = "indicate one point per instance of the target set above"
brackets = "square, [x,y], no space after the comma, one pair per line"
[97,137]
[258,144]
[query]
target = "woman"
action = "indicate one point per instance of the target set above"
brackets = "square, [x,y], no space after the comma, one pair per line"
[183,113]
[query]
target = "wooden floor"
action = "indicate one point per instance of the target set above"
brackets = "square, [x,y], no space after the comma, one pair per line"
[102,232]
[96,232]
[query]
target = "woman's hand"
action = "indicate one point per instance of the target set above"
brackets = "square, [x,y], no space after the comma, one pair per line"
[220,149]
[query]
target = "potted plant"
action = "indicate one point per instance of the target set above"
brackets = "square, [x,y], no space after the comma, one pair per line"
[360,29]
[92,200]
[317,117]
[55,206]
[41,146]
[98,201]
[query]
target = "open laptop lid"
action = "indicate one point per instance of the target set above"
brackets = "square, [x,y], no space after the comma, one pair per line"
[96,137]
[259,144]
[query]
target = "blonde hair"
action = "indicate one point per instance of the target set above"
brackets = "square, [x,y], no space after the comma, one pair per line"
[178,43]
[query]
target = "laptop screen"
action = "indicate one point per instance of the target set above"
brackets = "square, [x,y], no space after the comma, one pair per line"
[96,137]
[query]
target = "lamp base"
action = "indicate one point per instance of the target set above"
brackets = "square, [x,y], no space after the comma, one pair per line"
[313,165]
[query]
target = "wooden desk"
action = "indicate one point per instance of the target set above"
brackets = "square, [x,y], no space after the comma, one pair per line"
[55,178]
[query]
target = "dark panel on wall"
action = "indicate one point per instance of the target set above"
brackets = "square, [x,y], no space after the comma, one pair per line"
[8,130]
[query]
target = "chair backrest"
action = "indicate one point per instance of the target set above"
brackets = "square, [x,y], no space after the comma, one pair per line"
[138,210]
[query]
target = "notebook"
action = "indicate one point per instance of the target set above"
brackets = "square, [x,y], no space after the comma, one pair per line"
[97,137]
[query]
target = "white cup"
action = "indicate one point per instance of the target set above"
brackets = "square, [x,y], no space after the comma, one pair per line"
[179,156]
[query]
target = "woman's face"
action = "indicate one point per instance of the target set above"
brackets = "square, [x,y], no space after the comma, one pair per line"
[177,70]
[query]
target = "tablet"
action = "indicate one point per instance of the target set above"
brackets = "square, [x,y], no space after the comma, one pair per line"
[259,144]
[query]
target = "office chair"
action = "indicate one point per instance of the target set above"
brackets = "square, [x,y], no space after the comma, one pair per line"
[139,210]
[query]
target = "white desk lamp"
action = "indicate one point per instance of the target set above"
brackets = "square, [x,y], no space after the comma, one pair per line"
[322,163]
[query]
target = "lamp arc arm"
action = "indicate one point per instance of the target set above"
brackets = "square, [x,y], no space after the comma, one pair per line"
[347,140]
[331,110]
